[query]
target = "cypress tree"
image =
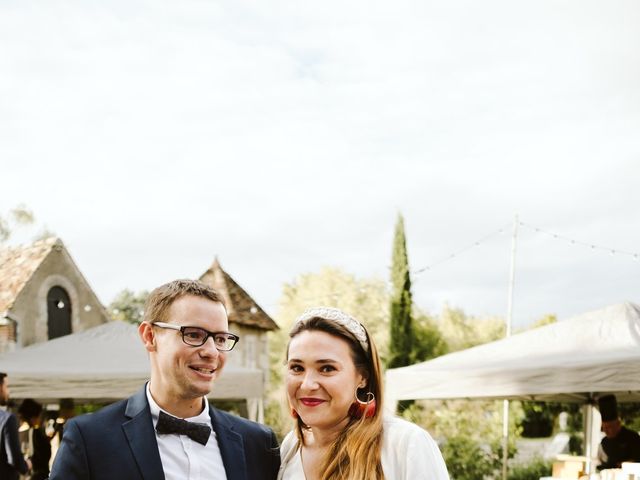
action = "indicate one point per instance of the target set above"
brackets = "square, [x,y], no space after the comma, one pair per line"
[401,322]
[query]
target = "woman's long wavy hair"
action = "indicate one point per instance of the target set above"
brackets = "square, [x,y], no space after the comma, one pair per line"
[355,454]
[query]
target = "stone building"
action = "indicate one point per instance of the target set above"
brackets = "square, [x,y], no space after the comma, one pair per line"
[43,295]
[250,322]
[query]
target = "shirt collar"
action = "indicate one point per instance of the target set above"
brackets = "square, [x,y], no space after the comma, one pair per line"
[202,417]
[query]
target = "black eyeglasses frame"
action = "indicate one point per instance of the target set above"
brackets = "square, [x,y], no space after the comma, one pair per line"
[182,329]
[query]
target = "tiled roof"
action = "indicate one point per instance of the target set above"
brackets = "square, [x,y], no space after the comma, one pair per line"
[242,309]
[17,266]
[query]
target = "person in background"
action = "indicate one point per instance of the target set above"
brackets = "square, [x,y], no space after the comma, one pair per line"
[12,463]
[619,444]
[168,430]
[30,411]
[334,389]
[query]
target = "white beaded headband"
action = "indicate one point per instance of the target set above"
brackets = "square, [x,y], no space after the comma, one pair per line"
[338,316]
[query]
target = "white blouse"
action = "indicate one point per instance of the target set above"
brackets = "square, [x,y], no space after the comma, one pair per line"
[408,453]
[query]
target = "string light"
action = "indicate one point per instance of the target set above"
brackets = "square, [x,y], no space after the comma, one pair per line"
[612,251]
[453,255]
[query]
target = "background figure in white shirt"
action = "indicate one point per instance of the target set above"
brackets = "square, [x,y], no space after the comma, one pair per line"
[168,430]
[334,387]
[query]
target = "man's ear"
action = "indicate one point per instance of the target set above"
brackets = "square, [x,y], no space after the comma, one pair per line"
[147,335]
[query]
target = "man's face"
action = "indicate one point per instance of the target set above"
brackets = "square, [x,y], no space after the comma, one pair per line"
[4,391]
[611,428]
[181,371]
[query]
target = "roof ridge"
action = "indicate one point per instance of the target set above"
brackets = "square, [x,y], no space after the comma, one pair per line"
[18,264]
[241,306]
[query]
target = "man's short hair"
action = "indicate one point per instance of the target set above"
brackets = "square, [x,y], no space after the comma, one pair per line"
[160,299]
[2,377]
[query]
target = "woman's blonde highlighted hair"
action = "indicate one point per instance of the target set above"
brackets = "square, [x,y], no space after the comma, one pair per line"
[355,454]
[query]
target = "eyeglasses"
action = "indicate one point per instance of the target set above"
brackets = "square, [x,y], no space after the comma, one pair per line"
[196,336]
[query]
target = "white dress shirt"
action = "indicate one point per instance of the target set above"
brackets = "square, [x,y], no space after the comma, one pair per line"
[186,459]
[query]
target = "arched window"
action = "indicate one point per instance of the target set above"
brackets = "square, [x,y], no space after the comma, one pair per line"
[58,313]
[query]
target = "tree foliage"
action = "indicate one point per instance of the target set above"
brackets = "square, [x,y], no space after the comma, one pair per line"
[462,331]
[472,433]
[401,321]
[533,470]
[466,459]
[128,306]
[428,341]
[16,217]
[364,298]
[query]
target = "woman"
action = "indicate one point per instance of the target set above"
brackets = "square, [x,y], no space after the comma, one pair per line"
[334,387]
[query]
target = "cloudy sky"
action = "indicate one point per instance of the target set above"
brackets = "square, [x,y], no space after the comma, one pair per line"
[286,136]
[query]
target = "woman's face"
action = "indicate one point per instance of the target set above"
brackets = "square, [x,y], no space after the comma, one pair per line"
[322,379]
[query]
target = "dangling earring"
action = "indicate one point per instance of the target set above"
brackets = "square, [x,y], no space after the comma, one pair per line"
[358,408]
[294,414]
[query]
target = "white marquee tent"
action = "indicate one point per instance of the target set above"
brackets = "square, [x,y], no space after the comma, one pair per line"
[103,363]
[571,361]
[575,360]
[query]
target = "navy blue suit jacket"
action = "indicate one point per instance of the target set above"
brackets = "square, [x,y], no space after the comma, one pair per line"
[119,442]
[12,462]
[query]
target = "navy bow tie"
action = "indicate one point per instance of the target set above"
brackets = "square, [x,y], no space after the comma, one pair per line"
[198,432]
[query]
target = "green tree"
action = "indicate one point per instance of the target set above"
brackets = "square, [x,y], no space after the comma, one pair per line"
[401,322]
[16,217]
[428,341]
[532,470]
[364,298]
[472,433]
[128,306]
[461,331]
[401,331]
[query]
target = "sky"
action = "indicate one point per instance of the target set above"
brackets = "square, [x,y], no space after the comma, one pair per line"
[283,137]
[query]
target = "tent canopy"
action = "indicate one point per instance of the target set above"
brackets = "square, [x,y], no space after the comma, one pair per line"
[570,361]
[103,363]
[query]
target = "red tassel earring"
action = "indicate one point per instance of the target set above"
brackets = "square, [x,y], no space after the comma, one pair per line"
[359,409]
[294,414]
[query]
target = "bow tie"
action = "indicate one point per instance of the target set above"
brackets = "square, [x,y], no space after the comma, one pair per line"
[198,432]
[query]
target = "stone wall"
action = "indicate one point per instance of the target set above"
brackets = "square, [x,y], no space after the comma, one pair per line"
[252,351]
[30,307]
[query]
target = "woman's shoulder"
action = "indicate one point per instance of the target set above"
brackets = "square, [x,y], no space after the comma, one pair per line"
[409,452]
[393,426]
[404,439]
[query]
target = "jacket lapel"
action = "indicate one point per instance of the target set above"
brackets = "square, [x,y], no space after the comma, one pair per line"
[141,436]
[231,446]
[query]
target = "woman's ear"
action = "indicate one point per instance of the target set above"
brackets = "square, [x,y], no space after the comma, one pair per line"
[147,335]
[364,379]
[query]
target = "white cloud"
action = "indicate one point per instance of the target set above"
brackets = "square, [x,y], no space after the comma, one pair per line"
[153,135]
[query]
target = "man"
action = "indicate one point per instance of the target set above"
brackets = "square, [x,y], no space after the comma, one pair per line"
[185,332]
[12,463]
[619,444]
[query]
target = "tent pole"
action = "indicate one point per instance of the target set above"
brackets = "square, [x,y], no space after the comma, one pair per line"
[505,403]
[588,427]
